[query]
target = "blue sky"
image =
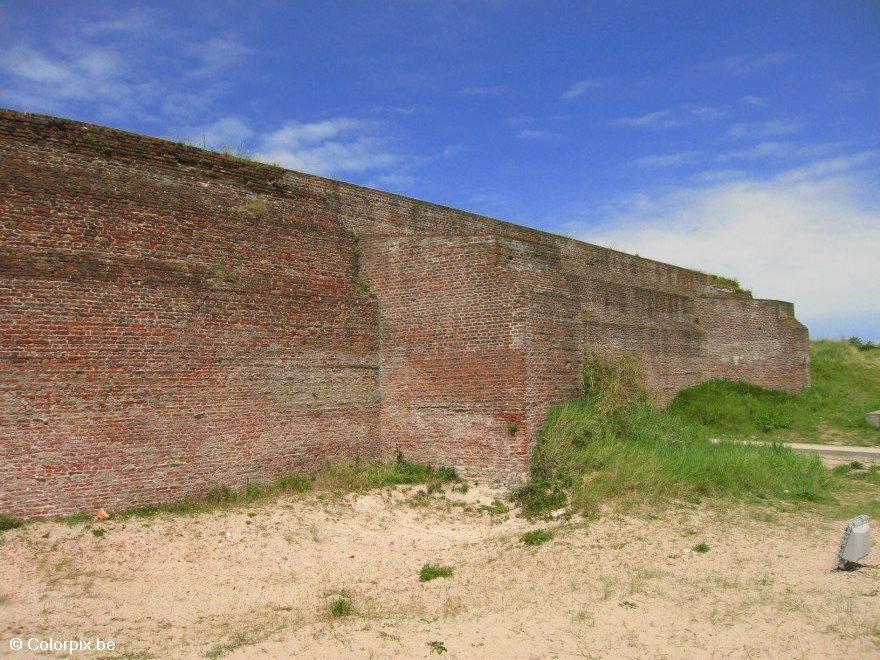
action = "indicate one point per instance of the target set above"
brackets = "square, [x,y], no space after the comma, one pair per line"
[735,137]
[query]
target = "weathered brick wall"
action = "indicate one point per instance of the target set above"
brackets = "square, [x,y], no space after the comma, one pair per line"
[167,324]
[174,319]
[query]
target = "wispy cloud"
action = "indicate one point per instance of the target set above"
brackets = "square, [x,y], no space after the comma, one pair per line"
[764,129]
[538,134]
[673,117]
[486,90]
[581,87]
[827,167]
[746,65]
[754,101]
[453,150]
[107,69]
[328,147]
[99,76]
[805,235]
[778,150]
[216,55]
[657,161]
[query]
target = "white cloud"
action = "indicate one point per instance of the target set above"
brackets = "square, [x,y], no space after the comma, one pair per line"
[453,150]
[808,235]
[100,76]
[673,117]
[771,149]
[579,88]
[217,54]
[328,147]
[741,65]
[486,90]
[764,129]
[110,71]
[754,101]
[537,134]
[667,160]
[827,167]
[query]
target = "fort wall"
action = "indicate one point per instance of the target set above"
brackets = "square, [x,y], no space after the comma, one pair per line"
[174,319]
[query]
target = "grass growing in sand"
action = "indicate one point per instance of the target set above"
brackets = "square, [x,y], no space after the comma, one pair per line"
[432,572]
[536,537]
[339,477]
[614,445]
[341,606]
[845,385]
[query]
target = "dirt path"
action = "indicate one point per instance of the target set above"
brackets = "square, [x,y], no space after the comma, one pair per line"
[257,581]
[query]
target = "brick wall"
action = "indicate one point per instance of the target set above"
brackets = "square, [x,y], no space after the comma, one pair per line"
[174,319]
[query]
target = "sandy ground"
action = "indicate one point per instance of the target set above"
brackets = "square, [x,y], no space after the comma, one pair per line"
[257,582]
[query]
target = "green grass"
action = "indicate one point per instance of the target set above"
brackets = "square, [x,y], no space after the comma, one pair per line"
[341,606]
[702,548]
[614,446]
[437,647]
[845,386]
[432,572]
[8,522]
[536,537]
[338,477]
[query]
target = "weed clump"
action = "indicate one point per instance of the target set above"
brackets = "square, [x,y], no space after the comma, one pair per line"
[8,522]
[432,572]
[341,606]
[437,647]
[702,548]
[536,537]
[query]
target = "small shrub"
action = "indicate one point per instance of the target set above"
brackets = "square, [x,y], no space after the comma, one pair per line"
[341,606]
[8,522]
[497,508]
[432,572]
[446,473]
[98,532]
[862,344]
[540,495]
[770,420]
[536,537]
[702,548]
[437,647]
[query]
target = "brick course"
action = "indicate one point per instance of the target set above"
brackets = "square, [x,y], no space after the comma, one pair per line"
[174,319]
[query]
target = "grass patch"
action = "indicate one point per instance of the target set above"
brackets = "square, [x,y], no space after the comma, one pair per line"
[702,548]
[536,537]
[497,508]
[341,606]
[99,533]
[432,572]
[8,522]
[350,476]
[614,445]
[845,386]
[437,647]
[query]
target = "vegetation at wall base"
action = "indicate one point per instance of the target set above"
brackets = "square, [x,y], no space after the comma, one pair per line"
[845,386]
[8,522]
[336,477]
[613,446]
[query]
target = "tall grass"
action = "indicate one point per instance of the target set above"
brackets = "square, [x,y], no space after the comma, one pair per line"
[845,385]
[614,445]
